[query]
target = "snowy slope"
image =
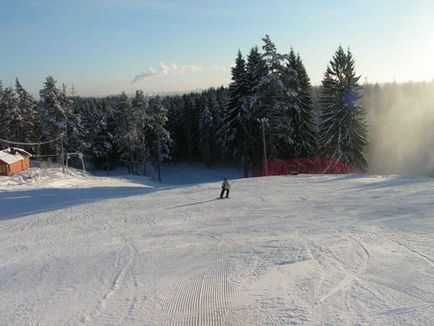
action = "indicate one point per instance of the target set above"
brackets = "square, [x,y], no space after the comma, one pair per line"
[283,250]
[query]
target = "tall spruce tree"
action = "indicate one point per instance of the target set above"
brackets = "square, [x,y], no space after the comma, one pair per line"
[219,101]
[141,117]
[105,145]
[12,116]
[2,113]
[53,115]
[190,123]
[237,115]
[255,71]
[94,124]
[207,132]
[74,138]
[175,125]
[159,135]
[342,130]
[126,133]
[303,111]
[275,99]
[28,108]
[212,103]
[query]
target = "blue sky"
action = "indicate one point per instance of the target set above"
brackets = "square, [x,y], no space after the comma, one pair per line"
[101,46]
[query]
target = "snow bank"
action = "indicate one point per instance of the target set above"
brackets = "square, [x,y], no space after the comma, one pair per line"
[36,176]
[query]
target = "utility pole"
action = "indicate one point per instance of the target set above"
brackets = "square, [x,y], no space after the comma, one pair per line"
[80,155]
[264,123]
[143,153]
[62,157]
[158,156]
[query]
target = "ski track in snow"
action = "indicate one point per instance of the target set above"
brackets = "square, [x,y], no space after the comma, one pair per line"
[299,250]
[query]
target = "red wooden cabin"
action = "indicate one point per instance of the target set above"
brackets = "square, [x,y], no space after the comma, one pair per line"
[14,160]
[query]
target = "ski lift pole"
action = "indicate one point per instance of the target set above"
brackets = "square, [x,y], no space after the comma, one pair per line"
[158,157]
[67,160]
[82,161]
[263,122]
[62,155]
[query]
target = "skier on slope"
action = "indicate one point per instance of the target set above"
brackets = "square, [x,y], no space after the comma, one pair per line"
[225,187]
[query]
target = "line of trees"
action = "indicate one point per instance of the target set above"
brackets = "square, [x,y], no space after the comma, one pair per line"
[110,131]
[217,125]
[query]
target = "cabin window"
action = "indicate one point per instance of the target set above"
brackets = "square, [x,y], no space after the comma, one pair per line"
[3,169]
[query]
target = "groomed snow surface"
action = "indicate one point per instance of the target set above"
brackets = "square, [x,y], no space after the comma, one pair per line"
[302,250]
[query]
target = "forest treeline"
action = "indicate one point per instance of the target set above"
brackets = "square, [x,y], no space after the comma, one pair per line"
[269,101]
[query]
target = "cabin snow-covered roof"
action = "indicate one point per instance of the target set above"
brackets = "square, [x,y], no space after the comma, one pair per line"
[9,158]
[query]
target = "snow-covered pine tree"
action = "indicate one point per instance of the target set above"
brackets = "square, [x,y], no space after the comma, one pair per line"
[255,71]
[53,115]
[2,113]
[89,122]
[141,117]
[175,115]
[211,101]
[12,117]
[100,123]
[275,99]
[218,102]
[180,127]
[207,134]
[237,115]
[190,122]
[342,130]
[28,108]
[160,136]
[126,137]
[303,113]
[75,139]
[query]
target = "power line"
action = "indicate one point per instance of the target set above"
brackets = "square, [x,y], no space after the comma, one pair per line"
[31,143]
[48,155]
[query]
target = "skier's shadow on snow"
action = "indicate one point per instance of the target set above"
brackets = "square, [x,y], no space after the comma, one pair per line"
[194,204]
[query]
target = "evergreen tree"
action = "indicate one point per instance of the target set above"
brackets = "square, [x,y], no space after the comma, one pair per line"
[190,123]
[28,110]
[126,137]
[275,98]
[237,115]
[160,136]
[53,115]
[303,112]
[140,113]
[2,113]
[104,147]
[175,126]
[342,130]
[207,133]
[217,101]
[91,123]
[12,117]
[255,70]
[74,137]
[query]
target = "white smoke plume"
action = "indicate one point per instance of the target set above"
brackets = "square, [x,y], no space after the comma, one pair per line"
[164,70]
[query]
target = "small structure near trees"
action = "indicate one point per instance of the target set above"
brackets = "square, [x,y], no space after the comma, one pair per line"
[14,160]
[71,155]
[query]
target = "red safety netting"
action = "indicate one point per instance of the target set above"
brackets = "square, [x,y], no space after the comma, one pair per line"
[316,165]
